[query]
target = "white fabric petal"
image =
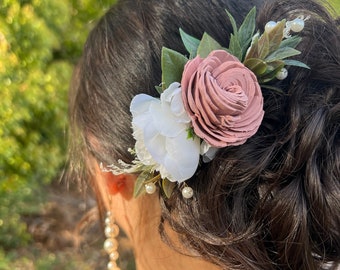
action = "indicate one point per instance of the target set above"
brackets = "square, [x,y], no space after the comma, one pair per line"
[177,108]
[140,109]
[168,93]
[208,152]
[183,157]
[141,151]
[155,143]
[140,104]
[165,122]
[173,96]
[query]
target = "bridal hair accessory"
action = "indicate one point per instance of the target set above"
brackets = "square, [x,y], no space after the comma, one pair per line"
[209,100]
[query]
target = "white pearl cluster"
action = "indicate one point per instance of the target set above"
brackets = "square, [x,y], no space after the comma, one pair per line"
[296,26]
[111,244]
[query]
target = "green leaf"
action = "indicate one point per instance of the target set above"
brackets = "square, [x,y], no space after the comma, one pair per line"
[168,187]
[256,65]
[276,35]
[272,69]
[282,53]
[246,31]
[159,89]
[140,182]
[172,66]
[291,42]
[190,133]
[207,45]
[235,47]
[296,63]
[233,24]
[190,43]
[253,50]
[263,46]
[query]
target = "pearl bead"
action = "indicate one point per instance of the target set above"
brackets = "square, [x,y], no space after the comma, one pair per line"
[112,266]
[111,231]
[187,192]
[297,25]
[150,188]
[114,256]
[108,221]
[110,245]
[282,74]
[269,26]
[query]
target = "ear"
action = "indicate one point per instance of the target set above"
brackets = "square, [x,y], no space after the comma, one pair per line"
[120,184]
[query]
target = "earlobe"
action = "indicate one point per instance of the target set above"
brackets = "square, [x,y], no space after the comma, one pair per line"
[120,184]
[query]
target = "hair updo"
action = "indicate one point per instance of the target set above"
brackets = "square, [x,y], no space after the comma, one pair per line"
[271,203]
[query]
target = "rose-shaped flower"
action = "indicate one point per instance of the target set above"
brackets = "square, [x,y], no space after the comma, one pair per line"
[223,99]
[160,129]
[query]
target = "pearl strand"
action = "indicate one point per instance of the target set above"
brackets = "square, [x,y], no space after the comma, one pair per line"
[111,244]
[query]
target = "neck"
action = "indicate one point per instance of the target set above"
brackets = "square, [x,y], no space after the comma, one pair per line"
[151,253]
[139,218]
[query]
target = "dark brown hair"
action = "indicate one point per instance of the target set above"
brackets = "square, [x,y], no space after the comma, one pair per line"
[271,203]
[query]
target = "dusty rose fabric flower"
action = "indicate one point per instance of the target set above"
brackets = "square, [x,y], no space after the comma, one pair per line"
[222,98]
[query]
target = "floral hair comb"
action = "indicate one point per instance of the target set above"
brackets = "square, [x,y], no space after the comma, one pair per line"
[209,100]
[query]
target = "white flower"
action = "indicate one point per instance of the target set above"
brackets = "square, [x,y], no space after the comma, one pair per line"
[160,129]
[208,152]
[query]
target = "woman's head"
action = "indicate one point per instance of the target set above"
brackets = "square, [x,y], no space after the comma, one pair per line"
[272,202]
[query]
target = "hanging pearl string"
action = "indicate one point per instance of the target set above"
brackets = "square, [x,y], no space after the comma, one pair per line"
[111,244]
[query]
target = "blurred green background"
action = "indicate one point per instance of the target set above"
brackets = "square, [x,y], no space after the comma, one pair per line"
[40,41]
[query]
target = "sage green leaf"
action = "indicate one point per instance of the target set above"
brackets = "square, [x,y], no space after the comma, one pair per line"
[263,46]
[190,43]
[233,23]
[246,31]
[168,187]
[273,88]
[140,182]
[235,47]
[256,65]
[253,50]
[207,45]
[190,133]
[272,69]
[291,42]
[159,89]
[282,53]
[272,66]
[276,35]
[296,63]
[172,66]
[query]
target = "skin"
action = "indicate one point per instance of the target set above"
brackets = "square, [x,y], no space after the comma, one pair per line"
[131,213]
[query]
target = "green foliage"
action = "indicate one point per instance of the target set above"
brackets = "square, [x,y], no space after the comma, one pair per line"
[168,187]
[46,261]
[207,45]
[190,43]
[241,38]
[40,41]
[172,67]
